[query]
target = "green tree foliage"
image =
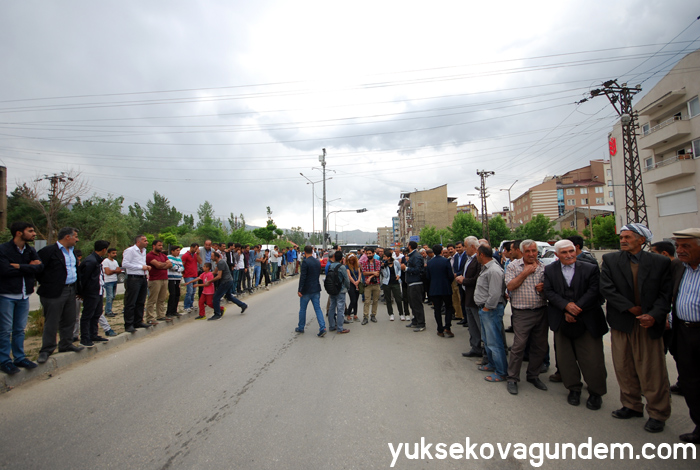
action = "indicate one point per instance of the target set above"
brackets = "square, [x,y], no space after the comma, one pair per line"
[188,222]
[604,233]
[296,235]
[269,232]
[20,210]
[464,225]
[159,214]
[539,228]
[498,231]
[209,227]
[101,218]
[243,236]
[568,232]
[205,213]
[430,236]
[168,239]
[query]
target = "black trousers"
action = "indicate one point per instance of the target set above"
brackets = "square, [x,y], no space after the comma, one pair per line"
[404,290]
[393,290]
[415,300]
[352,305]
[438,302]
[687,345]
[173,297]
[90,318]
[59,317]
[265,272]
[134,300]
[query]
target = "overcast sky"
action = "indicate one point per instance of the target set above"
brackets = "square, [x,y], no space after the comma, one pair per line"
[228,101]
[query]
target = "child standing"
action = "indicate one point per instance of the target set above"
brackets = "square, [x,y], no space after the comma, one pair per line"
[207,295]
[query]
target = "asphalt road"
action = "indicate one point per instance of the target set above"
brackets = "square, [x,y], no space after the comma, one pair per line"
[247,392]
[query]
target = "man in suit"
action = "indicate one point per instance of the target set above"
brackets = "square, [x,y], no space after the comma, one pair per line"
[457,261]
[685,345]
[637,286]
[440,274]
[467,282]
[310,290]
[575,316]
[57,292]
[91,282]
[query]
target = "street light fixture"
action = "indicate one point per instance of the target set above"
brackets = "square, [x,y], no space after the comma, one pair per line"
[359,211]
[313,197]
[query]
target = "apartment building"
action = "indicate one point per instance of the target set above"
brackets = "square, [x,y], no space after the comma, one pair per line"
[385,236]
[422,208]
[669,150]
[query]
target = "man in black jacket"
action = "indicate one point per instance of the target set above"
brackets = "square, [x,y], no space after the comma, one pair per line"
[19,263]
[91,287]
[310,291]
[57,292]
[638,286]
[575,316]
[440,273]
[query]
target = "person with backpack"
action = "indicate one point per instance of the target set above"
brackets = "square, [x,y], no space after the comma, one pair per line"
[336,285]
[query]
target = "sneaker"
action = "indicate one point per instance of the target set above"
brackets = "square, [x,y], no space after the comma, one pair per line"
[111,333]
[419,329]
[365,321]
[99,339]
[332,328]
[26,363]
[243,309]
[321,333]
[110,315]
[298,330]
[87,343]
[391,318]
[200,317]
[9,368]
[223,310]
[214,317]
[402,317]
[373,318]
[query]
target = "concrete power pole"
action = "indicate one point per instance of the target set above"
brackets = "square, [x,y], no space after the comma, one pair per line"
[482,192]
[620,96]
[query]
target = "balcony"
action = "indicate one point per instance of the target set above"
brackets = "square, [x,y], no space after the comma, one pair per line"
[670,169]
[664,132]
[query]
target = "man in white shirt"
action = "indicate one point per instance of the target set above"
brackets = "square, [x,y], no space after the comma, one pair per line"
[134,261]
[111,267]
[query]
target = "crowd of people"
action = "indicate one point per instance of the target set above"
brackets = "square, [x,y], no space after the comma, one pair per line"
[652,299]
[77,292]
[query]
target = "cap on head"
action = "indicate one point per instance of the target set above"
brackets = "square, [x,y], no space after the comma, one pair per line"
[687,233]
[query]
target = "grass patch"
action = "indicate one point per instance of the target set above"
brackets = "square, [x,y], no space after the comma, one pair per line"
[35,323]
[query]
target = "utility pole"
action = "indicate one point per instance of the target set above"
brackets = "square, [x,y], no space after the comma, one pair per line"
[620,96]
[510,205]
[482,192]
[322,159]
[53,180]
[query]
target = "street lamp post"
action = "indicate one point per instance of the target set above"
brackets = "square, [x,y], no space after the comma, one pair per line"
[510,204]
[325,222]
[313,198]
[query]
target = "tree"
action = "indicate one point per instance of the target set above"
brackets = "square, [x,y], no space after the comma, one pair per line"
[464,225]
[159,214]
[604,233]
[62,189]
[188,222]
[539,228]
[498,231]
[269,232]
[430,236]
[567,232]
[19,209]
[205,213]
[208,227]
[101,218]
[296,235]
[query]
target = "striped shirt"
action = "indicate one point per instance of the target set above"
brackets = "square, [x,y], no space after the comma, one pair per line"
[175,271]
[688,301]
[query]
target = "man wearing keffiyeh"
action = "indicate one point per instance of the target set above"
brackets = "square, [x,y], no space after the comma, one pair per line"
[637,285]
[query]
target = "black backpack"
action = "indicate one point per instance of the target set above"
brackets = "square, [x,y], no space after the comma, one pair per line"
[332,282]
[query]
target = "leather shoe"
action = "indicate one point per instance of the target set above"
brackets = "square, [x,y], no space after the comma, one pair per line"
[98,339]
[26,363]
[574,398]
[691,437]
[512,387]
[43,357]
[675,388]
[555,377]
[142,325]
[594,402]
[449,334]
[626,413]
[130,329]
[472,354]
[462,321]
[72,348]
[654,425]
[539,385]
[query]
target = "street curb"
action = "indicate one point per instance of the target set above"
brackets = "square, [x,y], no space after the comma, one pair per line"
[59,361]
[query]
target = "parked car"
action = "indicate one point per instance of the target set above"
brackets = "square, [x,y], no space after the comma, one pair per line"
[324,261]
[549,256]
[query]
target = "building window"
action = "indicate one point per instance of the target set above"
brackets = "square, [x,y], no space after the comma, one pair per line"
[608,172]
[571,202]
[609,182]
[599,200]
[683,201]
[599,189]
[571,224]
[649,163]
[645,129]
[570,192]
[696,148]
[584,201]
[693,107]
[610,194]
[584,190]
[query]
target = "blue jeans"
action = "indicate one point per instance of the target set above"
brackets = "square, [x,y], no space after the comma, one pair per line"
[189,294]
[223,291]
[492,336]
[315,299]
[13,321]
[110,293]
[257,275]
[336,312]
[235,274]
